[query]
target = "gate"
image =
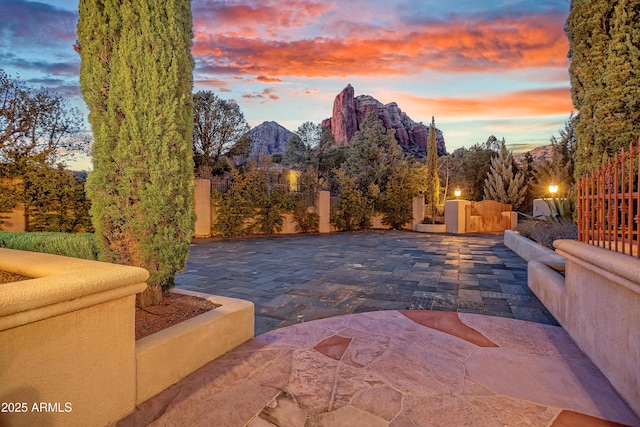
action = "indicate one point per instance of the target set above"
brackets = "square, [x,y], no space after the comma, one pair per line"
[487,216]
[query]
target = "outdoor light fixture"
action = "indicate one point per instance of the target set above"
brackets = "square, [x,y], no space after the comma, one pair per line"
[457,192]
[553,188]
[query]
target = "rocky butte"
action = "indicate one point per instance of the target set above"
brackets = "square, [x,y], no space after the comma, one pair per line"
[350,111]
[268,138]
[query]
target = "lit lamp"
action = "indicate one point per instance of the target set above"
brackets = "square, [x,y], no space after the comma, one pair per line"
[457,192]
[553,189]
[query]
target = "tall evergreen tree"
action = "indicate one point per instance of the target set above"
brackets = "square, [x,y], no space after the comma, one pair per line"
[604,49]
[372,153]
[136,78]
[433,179]
[503,184]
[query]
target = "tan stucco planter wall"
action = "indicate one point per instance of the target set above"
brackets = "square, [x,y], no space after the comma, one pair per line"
[431,228]
[167,356]
[549,287]
[67,340]
[529,250]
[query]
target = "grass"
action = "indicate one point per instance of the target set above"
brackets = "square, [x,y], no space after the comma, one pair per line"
[81,245]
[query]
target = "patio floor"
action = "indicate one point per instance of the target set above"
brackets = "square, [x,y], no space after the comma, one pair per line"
[298,278]
[466,353]
[392,368]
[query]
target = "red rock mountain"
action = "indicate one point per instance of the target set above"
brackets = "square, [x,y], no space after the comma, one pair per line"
[349,112]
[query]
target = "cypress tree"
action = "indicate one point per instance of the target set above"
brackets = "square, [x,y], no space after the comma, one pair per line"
[620,115]
[604,49]
[136,78]
[433,179]
[502,184]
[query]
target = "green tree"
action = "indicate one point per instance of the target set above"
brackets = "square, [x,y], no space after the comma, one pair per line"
[219,130]
[371,154]
[475,163]
[301,145]
[432,178]
[604,49]
[38,128]
[136,78]
[54,200]
[356,207]
[36,122]
[503,183]
[405,181]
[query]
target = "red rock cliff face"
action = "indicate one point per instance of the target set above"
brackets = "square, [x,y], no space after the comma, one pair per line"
[350,112]
[343,123]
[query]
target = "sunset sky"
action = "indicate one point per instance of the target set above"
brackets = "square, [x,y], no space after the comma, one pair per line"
[481,68]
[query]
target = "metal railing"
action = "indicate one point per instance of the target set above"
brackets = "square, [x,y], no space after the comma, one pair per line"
[609,203]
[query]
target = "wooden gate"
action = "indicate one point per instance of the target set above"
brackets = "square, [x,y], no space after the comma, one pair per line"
[487,216]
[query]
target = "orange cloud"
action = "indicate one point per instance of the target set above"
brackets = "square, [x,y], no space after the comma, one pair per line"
[266,95]
[525,103]
[265,79]
[221,85]
[223,16]
[460,46]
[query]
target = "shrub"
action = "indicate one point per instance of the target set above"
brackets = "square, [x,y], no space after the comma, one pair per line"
[72,245]
[306,222]
[544,233]
[253,205]
[356,208]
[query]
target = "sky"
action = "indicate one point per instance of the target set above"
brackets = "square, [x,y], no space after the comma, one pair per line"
[481,68]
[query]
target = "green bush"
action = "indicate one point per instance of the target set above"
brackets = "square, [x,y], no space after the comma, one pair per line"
[544,233]
[73,245]
[356,208]
[306,222]
[252,205]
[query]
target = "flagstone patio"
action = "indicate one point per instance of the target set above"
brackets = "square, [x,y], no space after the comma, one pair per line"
[395,368]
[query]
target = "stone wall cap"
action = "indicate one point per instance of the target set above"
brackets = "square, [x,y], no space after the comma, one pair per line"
[57,279]
[614,263]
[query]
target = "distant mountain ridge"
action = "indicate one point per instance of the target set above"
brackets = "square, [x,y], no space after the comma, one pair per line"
[349,111]
[544,152]
[268,138]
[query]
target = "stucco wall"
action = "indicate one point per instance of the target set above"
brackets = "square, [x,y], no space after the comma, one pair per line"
[185,347]
[67,340]
[602,312]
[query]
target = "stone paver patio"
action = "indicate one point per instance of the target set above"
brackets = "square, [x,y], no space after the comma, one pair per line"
[474,348]
[305,277]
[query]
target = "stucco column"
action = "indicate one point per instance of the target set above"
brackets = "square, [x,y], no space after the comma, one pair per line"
[202,206]
[323,209]
[418,211]
[454,215]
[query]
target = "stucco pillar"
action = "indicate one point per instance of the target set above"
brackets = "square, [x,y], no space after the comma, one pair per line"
[202,205]
[323,209]
[454,215]
[16,219]
[418,211]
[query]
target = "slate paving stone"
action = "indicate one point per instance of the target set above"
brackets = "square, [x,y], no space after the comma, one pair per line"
[323,275]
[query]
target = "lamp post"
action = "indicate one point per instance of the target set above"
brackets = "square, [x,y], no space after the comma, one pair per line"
[457,192]
[553,189]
